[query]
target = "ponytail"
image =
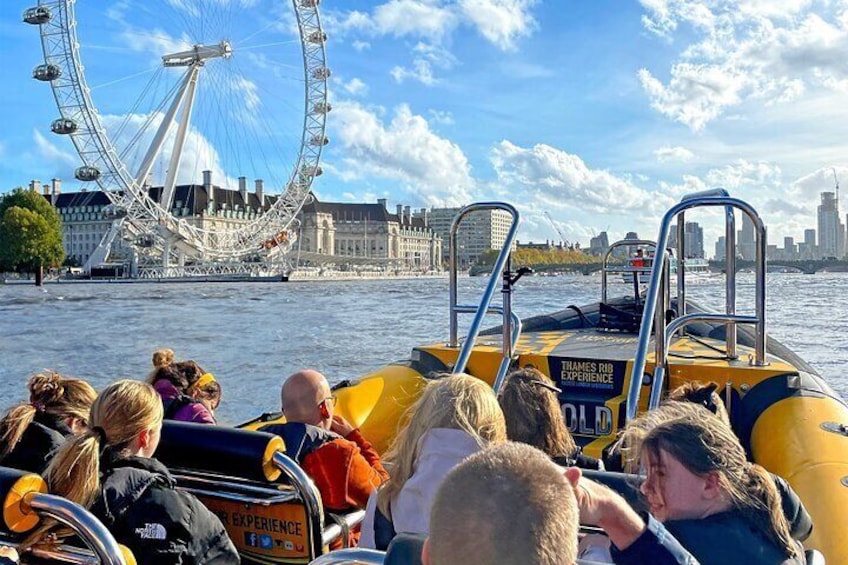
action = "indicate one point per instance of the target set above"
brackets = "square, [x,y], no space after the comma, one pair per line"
[74,472]
[13,426]
[761,505]
[51,393]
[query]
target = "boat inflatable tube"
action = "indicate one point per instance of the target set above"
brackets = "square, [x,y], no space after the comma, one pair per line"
[803,439]
[15,487]
[216,449]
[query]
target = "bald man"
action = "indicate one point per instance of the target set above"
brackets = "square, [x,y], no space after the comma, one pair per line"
[345,467]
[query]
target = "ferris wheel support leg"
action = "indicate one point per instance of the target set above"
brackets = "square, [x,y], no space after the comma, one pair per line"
[166,254]
[176,156]
[162,132]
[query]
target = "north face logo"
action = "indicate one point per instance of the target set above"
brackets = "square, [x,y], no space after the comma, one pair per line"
[152,531]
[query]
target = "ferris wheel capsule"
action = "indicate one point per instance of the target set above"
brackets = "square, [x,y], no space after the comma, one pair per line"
[317,37]
[37,15]
[63,126]
[309,3]
[87,173]
[319,140]
[321,73]
[46,72]
[322,108]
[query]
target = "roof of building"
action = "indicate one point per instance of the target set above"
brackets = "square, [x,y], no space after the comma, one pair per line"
[352,212]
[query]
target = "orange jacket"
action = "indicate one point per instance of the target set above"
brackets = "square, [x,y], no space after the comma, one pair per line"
[346,471]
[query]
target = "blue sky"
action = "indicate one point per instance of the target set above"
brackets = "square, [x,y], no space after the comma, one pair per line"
[601,112]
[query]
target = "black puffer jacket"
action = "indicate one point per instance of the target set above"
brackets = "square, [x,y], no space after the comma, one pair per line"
[161,525]
[42,437]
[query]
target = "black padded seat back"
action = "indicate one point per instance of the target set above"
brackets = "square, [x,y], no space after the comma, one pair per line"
[405,549]
[218,449]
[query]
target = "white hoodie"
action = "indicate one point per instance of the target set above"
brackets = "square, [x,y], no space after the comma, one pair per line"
[442,449]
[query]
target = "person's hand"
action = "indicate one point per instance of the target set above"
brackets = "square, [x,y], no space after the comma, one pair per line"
[9,555]
[341,426]
[602,506]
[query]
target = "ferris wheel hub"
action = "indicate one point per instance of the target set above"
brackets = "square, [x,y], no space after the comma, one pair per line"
[198,54]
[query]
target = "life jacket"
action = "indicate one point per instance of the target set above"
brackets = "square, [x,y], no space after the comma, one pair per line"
[300,439]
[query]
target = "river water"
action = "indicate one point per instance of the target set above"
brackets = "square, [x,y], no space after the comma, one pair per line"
[252,335]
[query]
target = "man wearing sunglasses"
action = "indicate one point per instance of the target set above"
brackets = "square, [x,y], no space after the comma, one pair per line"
[343,464]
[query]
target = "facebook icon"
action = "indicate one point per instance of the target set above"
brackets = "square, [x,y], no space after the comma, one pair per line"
[251,539]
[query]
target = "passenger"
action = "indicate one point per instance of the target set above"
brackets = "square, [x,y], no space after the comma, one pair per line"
[800,521]
[456,416]
[533,416]
[175,383]
[508,504]
[345,467]
[31,432]
[699,484]
[110,470]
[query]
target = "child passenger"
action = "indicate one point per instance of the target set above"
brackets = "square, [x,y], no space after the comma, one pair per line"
[700,486]
[110,470]
[456,416]
[533,416]
[189,394]
[31,432]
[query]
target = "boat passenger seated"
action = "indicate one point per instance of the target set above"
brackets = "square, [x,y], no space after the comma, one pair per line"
[706,395]
[110,470]
[189,394]
[9,555]
[700,488]
[508,504]
[29,433]
[455,416]
[533,416]
[344,465]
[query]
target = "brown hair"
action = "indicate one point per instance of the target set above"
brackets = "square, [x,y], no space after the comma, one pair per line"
[703,394]
[51,393]
[506,504]
[459,402]
[533,414]
[119,414]
[704,444]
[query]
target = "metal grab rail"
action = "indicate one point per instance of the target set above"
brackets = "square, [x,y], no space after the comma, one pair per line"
[357,556]
[92,531]
[712,198]
[516,333]
[341,527]
[308,492]
[499,270]
[605,268]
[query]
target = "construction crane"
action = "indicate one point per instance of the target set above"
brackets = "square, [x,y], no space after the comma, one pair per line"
[836,179]
[563,241]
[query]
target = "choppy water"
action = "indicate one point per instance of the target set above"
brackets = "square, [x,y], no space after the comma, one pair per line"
[252,335]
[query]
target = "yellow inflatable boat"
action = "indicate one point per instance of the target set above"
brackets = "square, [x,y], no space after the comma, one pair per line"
[620,356]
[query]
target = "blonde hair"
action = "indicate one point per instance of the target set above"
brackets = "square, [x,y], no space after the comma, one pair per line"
[163,357]
[119,414]
[51,393]
[704,444]
[460,402]
[533,414]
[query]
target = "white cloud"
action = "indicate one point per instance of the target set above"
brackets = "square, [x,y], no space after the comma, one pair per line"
[564,180]
[361,45]
[745,51]
[421,71]
[404,149]
[500,21]
[441,117]
[744,174]
[677,153]
[354,87]
[64,162]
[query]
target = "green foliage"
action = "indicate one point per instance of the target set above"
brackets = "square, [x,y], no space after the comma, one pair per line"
[30,232]
[542,259]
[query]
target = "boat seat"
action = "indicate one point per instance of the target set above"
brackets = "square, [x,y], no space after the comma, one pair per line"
[268,505]
[814,557]
[405,549]
[26,502]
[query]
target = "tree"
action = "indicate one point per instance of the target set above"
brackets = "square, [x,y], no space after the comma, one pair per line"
[30,233]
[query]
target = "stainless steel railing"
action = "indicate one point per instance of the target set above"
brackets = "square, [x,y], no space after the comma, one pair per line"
[308,492]
[652,316]
[91,530]
[606,268]
[500,270]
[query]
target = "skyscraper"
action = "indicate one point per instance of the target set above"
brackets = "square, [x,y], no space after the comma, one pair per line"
[831,230]
[746,241]
[694,240]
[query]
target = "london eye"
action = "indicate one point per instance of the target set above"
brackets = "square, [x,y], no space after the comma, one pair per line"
[233,92]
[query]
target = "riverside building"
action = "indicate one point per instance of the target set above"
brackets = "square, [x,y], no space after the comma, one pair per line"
[480,231]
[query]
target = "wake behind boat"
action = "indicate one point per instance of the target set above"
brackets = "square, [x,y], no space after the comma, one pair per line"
[612,360]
